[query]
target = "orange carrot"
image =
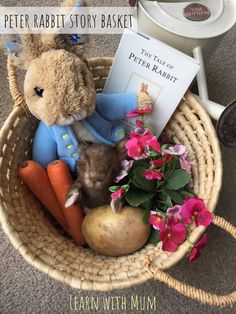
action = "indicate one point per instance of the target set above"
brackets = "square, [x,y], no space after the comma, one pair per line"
[61,180]
[36,178]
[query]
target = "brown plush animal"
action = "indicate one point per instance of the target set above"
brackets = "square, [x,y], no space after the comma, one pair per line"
[97,168]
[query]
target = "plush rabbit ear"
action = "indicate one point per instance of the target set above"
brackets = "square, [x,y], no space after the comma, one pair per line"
[25,48]
[32,48]
[70,42]
[75,42]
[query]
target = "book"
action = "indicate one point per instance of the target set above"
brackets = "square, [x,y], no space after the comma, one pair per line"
[167,72]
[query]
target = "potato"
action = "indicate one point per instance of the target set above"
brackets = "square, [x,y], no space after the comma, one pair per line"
[114,234]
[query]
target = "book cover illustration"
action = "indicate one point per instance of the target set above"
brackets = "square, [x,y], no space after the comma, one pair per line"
[168,73]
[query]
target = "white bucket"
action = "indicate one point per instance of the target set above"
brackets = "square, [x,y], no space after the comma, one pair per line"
[195,28]
[187,25]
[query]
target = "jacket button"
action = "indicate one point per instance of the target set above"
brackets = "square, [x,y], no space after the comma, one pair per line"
[75,155]
[69,146]
[120,134]
[65,136]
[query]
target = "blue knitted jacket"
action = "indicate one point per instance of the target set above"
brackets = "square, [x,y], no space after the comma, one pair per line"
[60,142]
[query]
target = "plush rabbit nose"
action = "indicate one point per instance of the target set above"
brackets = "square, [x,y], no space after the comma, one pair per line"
[65,120]
[82,115]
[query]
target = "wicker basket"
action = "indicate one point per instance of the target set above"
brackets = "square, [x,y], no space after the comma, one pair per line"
[40,243]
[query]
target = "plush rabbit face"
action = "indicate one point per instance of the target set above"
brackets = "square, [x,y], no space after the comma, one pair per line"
[59,88]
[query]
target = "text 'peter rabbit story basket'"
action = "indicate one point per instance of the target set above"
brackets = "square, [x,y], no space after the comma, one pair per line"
[39,242]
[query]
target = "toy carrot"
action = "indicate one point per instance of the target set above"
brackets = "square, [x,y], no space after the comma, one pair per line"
[61,180]
[36,178]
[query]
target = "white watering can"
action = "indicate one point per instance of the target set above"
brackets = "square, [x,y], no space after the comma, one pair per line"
[196,28]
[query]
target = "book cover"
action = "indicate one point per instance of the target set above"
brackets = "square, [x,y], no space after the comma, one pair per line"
[168,73]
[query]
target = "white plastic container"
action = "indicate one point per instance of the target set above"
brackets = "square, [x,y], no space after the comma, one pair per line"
[187,25]
[195,28]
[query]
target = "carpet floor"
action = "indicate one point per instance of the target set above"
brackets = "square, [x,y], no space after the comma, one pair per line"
[23,289]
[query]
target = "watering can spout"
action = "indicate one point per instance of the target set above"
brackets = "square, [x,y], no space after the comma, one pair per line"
[225,116]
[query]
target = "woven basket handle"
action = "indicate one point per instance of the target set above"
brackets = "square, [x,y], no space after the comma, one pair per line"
[13,83]
[190,291]
[18,99]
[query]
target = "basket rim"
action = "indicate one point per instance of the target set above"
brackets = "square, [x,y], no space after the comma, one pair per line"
[63,276]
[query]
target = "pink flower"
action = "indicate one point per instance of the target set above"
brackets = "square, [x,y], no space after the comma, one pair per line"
[180,150]
[185,163]
[173,215]
[157,163]
[144,137]
[168,158]
[140,142]
[191,184]
[195,253]
[161,162]
[139,112]
[126,166]
[139,132]
[154,144]
[156,221]
[139,124]
[177,149]
[135,149]
[153,175]
[137,144]
[195,208]
[172,237]
[118,193]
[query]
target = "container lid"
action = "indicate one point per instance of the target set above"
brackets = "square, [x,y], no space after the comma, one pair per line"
[196,19]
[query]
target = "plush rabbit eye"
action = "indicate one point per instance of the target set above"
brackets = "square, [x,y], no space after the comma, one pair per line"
[39,91]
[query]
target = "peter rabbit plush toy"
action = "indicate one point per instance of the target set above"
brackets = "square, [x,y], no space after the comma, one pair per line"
[60,92]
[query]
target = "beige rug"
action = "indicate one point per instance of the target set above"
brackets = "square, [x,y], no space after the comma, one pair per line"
[23,289]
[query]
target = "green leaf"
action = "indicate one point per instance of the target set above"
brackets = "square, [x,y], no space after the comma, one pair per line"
[165,146]
[189,190]
[136,184]
[163,208]
[137,164]
[159,184]
[186,194]
[178,179]
[170,168]
[148,205]
[141,181]
[126,187]
[141,163]
[135,197]
[114,188]
[176,197]
[165,200]
[168,202]
[153,238]
[153,153]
